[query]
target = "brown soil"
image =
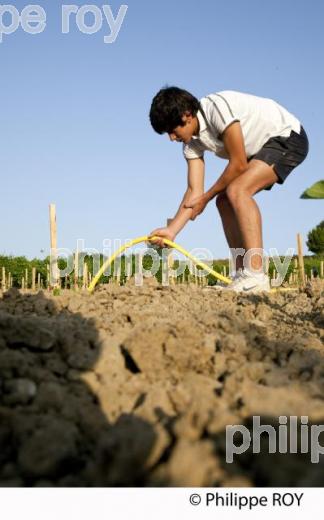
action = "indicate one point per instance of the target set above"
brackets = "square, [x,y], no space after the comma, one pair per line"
[135,386]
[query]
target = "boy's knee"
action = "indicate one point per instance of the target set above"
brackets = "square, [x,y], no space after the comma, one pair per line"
[232,192]
[236,190]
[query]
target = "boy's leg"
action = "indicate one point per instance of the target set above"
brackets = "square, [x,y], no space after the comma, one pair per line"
[240,193]
[230,226]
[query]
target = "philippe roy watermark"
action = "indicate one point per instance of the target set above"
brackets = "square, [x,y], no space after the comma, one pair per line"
[156,260]
[290,436]
[88,19]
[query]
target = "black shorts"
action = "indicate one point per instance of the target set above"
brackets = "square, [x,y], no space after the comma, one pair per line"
[284,153]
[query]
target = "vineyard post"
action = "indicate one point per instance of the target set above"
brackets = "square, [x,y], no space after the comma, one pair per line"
[170,255]
[33,278]
[118,273]
[196,276]
[53,281]
[85,275]
[3,282]
[301,260]
[266,264]
[76,269]
[322,269]
[48,276]
[295,274]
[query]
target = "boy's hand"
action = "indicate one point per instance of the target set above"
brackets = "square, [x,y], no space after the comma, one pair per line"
[163,233]
[197,204]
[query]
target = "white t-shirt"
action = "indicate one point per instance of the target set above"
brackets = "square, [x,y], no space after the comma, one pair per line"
[260,119]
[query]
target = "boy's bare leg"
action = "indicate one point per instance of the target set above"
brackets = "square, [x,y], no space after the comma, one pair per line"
[240,193]
[230,226]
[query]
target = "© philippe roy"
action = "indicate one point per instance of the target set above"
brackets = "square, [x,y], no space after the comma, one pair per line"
[89,19]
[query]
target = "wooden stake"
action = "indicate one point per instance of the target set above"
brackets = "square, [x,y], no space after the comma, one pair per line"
[48,277]
[26,277]
[322,269]
[33,278]
[85,275]
[76,269]
[23,284]
[196,276]
[39,284]
[53,255]
[295,272]
[301,260]
[170,255]
[118,273]
[266,263]
[3,281]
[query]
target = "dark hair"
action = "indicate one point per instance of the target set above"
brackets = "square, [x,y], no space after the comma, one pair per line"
[168,107]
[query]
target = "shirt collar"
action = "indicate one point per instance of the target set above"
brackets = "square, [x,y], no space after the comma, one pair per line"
[202,124]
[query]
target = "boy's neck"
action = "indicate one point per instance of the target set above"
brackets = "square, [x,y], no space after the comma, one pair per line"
[197,130]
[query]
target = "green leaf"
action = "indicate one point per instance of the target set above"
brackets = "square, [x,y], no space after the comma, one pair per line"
[314,192]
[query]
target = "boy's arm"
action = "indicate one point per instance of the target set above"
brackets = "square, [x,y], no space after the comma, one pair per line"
[196,176]
[237,164]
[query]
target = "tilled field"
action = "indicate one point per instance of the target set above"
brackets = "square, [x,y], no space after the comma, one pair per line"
[135,386]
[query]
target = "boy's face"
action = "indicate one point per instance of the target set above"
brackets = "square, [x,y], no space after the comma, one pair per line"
[183,134]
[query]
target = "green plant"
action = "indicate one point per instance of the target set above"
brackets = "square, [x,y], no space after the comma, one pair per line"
[315,242]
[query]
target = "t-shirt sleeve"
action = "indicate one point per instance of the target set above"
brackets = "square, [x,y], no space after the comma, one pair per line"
[221,113]
[193,150]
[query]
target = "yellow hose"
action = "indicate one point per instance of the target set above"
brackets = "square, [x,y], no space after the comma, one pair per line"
[211,271]
[109,260]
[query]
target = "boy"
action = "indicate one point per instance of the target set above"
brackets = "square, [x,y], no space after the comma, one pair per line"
[262,142]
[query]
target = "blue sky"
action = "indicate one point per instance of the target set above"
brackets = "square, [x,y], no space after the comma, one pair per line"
[75,128]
